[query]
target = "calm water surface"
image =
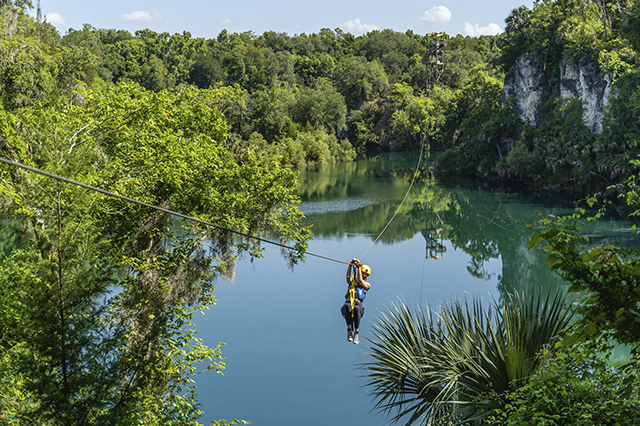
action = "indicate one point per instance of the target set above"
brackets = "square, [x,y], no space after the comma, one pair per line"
[288,360]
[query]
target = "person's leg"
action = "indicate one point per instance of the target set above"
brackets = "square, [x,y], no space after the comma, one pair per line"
[346,313]
[358,312]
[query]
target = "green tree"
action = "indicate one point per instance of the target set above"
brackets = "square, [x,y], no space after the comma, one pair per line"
[26,72]
[311,68]
[463,54]
[273,109]
[281,67]
[392,49]
[514,41]
[320,106]
[27,4]
[631,26]
[103,292]
[360,80]
[478,128]
[414,119]
[206,71]
[233,102]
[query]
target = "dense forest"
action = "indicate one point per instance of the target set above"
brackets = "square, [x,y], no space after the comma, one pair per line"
[307,98]
[323,97]
[205,126]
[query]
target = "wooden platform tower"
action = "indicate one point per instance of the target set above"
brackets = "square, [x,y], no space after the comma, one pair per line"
[433,234]
[434,59]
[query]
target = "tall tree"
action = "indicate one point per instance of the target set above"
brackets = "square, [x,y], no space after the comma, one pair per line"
[99,329]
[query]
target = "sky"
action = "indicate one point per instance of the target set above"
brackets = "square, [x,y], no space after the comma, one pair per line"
[207,18]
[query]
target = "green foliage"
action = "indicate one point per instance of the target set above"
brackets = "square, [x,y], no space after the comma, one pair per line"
[362,125]
[27,71]
[320,106]
[233,103]
[206,71]
[480,130]
[314,147]
[98,296]
[463,54]
[409,120]
[360,80]
[553,28]
[606,276]
[520,159]
[631,26]
[394,50]
[576,387]
[311,68]
[438,367]
[403,121]
[272,109]
[156,61]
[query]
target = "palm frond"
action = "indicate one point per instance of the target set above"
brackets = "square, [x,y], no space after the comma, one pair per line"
[438,367]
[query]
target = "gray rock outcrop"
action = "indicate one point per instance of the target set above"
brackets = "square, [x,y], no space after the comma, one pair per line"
[586,82]
[527,83]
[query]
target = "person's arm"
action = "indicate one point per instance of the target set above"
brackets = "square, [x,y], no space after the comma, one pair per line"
[349,273]
[362,282]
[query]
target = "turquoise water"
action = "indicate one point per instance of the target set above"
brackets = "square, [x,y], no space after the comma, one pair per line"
[288,360]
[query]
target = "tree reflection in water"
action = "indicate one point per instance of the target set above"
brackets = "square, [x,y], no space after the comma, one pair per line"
[361,197]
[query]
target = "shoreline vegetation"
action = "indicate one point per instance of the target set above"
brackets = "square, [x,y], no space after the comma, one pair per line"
[210,128]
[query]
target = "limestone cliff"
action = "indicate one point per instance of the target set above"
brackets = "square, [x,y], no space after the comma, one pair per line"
[529,84]
[526,83]
[586,82]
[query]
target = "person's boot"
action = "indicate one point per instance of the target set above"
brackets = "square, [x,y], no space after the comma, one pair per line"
[349,335]
[356,338]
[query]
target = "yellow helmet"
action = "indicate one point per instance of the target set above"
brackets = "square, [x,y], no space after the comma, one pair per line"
[365,269]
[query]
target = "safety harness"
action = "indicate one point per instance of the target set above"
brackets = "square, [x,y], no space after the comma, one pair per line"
[352,288]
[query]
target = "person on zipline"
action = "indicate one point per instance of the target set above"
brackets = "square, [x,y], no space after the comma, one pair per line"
[352,310]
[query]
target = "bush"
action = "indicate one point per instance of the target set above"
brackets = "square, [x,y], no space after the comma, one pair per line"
[522,161]
[314,147]
[577,387]
[342,150]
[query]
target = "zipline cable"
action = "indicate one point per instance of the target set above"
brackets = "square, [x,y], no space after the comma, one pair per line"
[151,206]
[403,200]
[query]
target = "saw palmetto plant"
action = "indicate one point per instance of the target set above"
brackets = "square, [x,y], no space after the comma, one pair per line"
[451,365]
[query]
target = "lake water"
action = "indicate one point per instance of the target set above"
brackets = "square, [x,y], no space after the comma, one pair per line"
[288,359]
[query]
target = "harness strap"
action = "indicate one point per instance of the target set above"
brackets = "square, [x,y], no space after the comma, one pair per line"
[352,290]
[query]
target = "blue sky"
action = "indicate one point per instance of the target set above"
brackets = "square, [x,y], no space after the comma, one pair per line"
[207,18]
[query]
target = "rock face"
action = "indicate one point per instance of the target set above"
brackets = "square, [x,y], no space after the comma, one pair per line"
[527,83]
[586,82]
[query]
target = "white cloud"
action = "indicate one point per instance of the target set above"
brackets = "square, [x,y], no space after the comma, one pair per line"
[436,15]
[222,20]
[358,27]
[142,16]
[476,30]
[55,19]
